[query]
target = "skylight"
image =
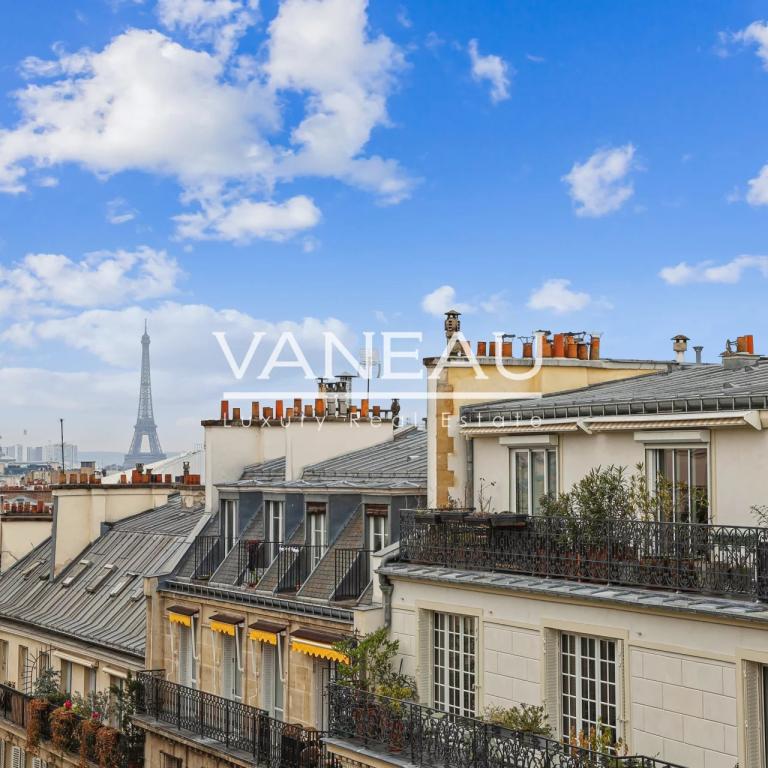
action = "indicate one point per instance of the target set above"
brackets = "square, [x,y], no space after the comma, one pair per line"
[76,573]
[106,572]
[122,584]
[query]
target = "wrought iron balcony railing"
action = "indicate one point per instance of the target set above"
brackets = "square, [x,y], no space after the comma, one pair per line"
[427,737]
[233,725]
[713,559]
[208,553]
[352,573]
[254,558]
[295,562]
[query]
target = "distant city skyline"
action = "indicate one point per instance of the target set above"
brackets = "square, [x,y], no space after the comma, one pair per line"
[596,167]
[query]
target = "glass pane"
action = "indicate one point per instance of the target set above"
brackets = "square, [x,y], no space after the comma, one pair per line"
[552,472]
[682,486]
[538,470]
[662,477]
[699,486]
[521,482]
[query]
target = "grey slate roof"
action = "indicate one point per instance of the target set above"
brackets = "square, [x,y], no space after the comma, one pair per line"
[273,469]
[687,389]
[397,464]
[619,596]
[137,546]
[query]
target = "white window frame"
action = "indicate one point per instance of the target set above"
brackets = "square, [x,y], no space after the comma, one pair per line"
[374,522]
[230,513]
[67,673]
[573,646]
[652,464]
[547,450]
[318,535]
[280,679]
[275,533]
[454,664]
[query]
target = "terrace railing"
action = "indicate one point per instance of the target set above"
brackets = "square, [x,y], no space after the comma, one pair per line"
[712,559]
[254,558]
[13,705]
[233,725]
[352,573]
[427,737]
[295,563]
[208,553]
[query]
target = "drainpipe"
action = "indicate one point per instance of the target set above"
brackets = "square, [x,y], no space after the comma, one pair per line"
[387,588]
[470,479]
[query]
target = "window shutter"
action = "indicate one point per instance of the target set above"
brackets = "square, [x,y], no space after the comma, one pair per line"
[37,762]
[184,655]
[622,715]
[425,650]
[2,754]
[268,678]
[18,758]
[552,680]
[227,665]
[752,719]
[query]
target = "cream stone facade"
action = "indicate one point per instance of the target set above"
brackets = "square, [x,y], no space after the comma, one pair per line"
[20,533]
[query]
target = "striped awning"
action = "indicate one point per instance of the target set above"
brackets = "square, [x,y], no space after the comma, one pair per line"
[511,428]
[616,426]
[181,614]
[225,623]
[318,644]
[265,632]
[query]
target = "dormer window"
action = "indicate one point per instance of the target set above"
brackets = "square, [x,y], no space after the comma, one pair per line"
[229,530]
[317,520]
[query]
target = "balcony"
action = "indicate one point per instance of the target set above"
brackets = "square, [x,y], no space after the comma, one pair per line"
[426,737]
[295,563]
[245,731]
[22,710]
[352,573]
[729,561]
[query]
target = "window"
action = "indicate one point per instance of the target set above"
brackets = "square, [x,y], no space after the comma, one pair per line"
[116,691]
[318,530]
[75,573]
[18,757]
[533,473]
[90,680]
[231,666]
[588,684]
[169,761]
[685,472]
[229,530]
[187,664]
[3,661]
[273,678]
[378,532]
[21,671]
[66,676]
[325,673]
[100,578]
[275,511]
[454,664]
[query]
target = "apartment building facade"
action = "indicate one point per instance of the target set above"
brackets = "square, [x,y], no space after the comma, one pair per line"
[244,629]
[652,629]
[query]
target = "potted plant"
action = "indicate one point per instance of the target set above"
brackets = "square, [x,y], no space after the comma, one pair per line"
[108,746]
[530,720]
[37,714]
[64,727]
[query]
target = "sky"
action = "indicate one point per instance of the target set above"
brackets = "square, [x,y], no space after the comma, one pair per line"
[312,166]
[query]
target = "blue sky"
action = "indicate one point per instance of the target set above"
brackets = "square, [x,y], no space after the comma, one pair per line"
[327,164]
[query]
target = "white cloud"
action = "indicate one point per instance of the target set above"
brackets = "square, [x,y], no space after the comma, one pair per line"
[403,19]
[708,272]
[42,283]
[757,194]
[442,299]
[212,121]
[491,68]
[119,212]
[246,220]
[556,295]
[755,34]
[599,186]
[221,22]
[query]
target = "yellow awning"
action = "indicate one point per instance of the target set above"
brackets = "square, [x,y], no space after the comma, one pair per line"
[180,618]
[223,627]
[319,650]
[262,636]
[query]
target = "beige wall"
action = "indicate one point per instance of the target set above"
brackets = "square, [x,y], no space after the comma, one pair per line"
[447,449]
[738,464]
[19,536]
[302,676]
[79,512]
[229,449]
[679,672]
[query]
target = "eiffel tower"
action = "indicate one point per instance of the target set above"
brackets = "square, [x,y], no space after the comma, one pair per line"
[145,422]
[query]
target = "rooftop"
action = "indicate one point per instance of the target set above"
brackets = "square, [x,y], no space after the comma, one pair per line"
[89,600]
[685,389]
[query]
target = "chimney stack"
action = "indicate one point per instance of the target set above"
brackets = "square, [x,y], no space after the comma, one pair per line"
[680,347]
[698,351]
